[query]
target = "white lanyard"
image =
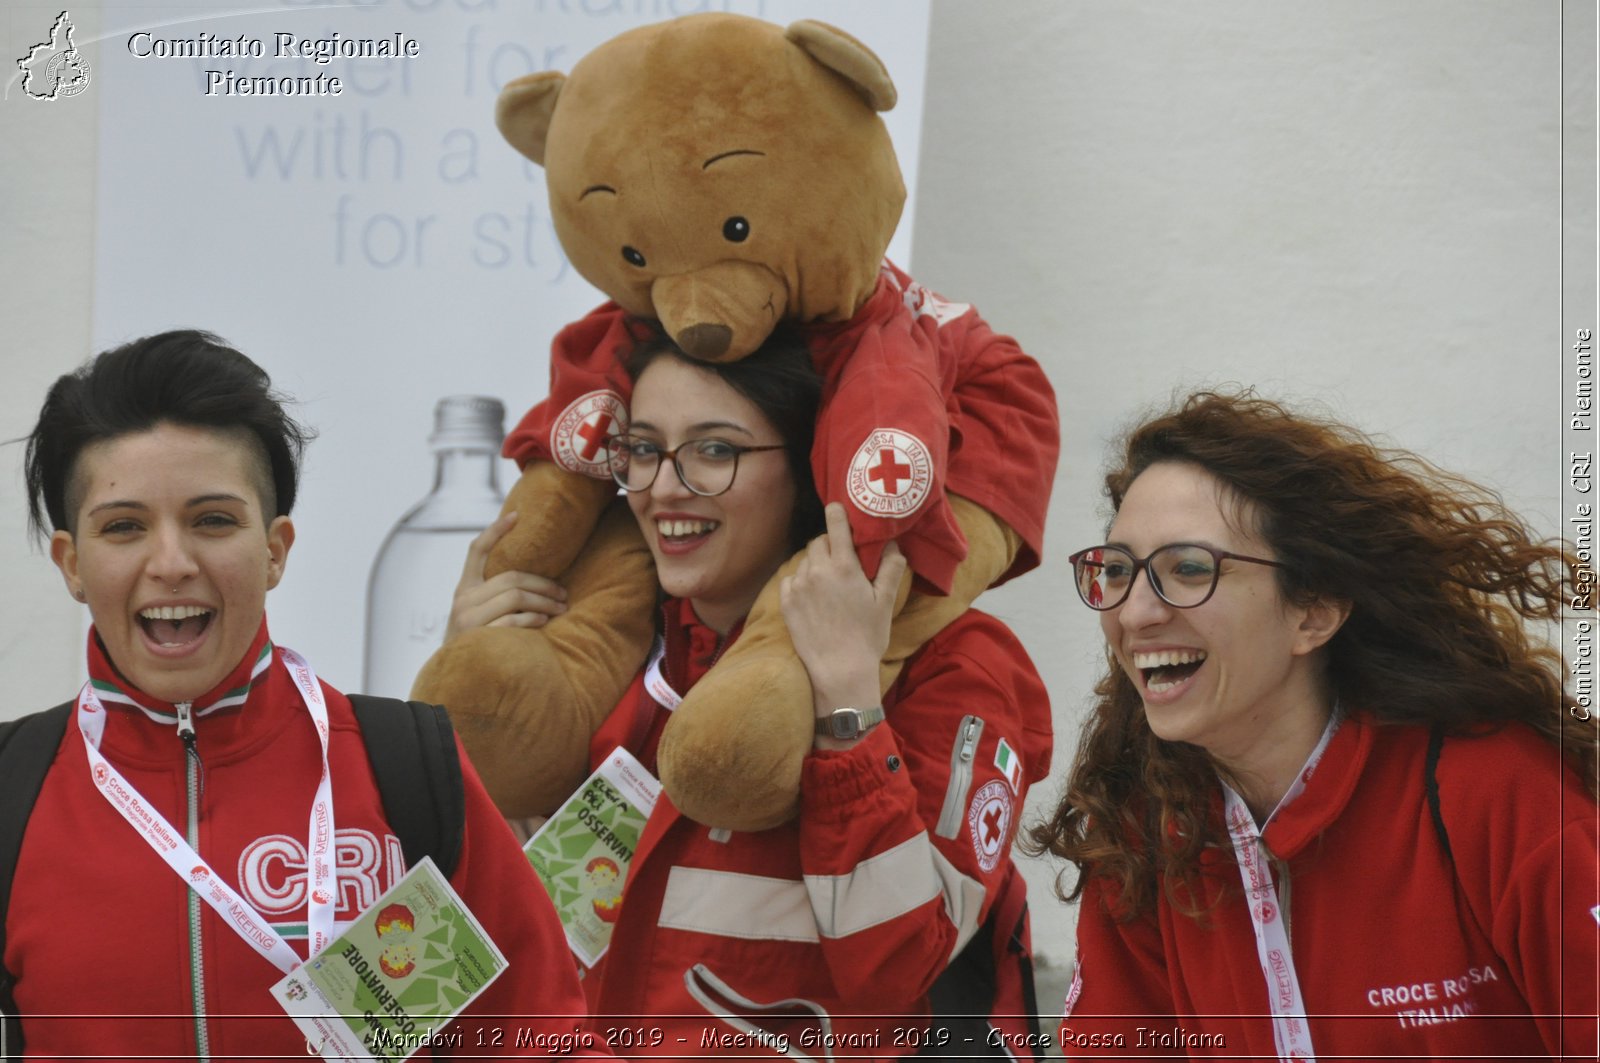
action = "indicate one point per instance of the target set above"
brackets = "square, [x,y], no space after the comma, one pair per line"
[1289,1027]
[170,845]
[655,680]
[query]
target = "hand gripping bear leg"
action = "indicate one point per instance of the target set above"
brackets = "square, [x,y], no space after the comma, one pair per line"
[731,754]
[526,701]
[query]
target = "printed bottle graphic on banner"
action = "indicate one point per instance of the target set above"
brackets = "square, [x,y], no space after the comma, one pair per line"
[55,68]
[415,573]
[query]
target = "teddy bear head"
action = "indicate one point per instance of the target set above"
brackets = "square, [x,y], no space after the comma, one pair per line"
[718,173]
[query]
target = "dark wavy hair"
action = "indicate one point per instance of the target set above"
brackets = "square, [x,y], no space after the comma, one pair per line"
[1441,578]
[780,380]
[183,377]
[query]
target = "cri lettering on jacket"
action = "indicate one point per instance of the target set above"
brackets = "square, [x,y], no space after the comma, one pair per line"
[272,871]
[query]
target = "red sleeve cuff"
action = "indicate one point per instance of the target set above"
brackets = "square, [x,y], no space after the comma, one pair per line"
[839,784]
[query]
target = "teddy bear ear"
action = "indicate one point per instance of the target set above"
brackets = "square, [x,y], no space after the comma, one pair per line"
[524,108]
[847,57]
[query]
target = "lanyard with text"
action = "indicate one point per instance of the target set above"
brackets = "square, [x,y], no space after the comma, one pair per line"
[655,680]
[1289,1027]
[170,845]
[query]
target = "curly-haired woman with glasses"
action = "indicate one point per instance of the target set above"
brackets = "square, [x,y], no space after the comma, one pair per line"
[1332,799]
[821,936]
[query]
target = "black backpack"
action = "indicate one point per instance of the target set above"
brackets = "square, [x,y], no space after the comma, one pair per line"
[414,759]
[988,989]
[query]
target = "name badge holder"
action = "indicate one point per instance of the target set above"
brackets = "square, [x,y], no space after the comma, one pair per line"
[1289,1027]
[170,845]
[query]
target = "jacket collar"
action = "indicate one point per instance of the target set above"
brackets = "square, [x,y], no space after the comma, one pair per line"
[1329,787]
[234,689]
[691,646]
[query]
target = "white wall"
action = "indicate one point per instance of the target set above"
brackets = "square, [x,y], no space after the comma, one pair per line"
[47,165]
[1356,204]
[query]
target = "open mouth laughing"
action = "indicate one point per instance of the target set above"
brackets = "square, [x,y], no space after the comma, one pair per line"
[175,626]
[1165,670]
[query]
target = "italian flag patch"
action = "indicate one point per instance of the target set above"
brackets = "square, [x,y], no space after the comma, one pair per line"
[1010,765]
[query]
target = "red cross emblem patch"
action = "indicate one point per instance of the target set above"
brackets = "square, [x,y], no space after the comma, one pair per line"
[891,474]
[988,821]
[578,440]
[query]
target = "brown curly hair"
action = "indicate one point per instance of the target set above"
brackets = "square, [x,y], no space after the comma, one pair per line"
[1441,578]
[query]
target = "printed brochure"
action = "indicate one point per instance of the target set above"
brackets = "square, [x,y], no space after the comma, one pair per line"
[406,967]
[583,851]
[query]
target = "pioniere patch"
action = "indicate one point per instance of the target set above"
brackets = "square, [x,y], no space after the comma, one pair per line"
[578,440]
[891,473]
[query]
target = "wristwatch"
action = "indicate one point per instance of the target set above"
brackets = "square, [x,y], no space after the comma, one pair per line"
[846,724]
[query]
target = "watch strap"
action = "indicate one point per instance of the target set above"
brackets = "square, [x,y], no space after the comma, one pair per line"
[848,723]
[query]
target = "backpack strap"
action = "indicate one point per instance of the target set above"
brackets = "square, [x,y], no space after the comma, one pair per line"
[417,766]
[989,984]
[1019,952]
[27,749]
[1016,996]
[1430,785]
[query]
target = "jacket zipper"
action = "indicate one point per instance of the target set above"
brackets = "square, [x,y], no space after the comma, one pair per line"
[193,787]
[955,794]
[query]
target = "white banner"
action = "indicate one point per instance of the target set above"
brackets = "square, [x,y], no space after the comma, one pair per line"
[374,250]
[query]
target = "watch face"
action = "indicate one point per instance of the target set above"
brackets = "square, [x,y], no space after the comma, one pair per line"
[845,724]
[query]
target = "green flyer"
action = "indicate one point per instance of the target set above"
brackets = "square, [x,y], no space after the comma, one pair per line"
[582,853]
[399,973]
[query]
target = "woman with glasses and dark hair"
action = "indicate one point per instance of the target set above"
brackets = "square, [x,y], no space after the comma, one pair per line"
[822,935]
[1332,800]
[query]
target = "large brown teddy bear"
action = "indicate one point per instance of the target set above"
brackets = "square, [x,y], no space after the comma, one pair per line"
[720,174]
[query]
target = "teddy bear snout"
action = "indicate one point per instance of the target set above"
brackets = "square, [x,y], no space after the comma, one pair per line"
[707,342]
[721,312]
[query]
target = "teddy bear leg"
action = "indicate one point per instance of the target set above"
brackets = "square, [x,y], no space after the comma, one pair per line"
[732,753]
[991,548]
[526,701]
[732,760]
[556,512]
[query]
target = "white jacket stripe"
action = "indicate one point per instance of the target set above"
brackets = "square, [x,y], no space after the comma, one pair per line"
[884,887]
[887,886]
[736,905]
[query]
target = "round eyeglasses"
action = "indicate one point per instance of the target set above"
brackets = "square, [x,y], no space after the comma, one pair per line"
[704,466]
[1183,575]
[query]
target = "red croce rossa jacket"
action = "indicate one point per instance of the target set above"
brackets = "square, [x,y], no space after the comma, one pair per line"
[1400,951]
[111,958]
[822,936]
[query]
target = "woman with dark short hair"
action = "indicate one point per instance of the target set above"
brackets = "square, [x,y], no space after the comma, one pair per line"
[1332,799]
[163,473]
